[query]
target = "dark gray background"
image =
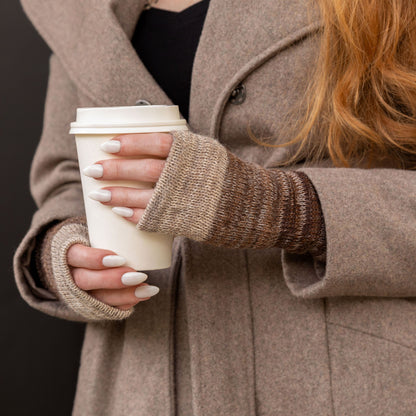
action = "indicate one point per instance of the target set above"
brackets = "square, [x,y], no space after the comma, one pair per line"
[39,354]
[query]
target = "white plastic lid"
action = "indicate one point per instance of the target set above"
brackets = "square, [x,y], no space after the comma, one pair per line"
[134,119]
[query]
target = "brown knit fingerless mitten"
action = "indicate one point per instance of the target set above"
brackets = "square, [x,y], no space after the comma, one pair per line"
[56,275]
[207,194]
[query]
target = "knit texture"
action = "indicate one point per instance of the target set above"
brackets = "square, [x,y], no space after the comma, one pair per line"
[207,194]
[56,274]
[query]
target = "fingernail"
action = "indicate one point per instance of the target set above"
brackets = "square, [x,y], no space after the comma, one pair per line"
[146,291]
[113,261]
[112,146]
[123,211]
[94,171]
[133,278]
[101,195]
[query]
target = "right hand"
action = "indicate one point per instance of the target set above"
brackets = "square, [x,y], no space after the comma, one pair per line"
[105,282]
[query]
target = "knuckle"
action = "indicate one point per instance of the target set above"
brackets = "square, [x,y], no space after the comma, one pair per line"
[158,145]
[84,256]
[117,168]
[130,198]
[111,167]
[75,254]
[128,144]
[164,143]
[71,255]
[154,168]
[80,279]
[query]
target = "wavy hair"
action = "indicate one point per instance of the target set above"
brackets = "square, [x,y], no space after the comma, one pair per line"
[361,105]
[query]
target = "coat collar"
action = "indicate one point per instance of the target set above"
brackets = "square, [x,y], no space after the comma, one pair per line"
[238,36]
[92,39]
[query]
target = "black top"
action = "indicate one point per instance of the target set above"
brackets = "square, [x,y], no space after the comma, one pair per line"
[166,43]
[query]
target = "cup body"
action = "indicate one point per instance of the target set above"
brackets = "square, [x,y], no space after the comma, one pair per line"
[142,250]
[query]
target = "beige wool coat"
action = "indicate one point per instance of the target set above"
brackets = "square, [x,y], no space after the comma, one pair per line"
[233,332]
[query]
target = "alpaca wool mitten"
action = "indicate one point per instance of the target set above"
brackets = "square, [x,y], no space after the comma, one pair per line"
[56,275]
[207,194]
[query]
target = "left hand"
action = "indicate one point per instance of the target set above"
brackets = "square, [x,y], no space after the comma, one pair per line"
[151,151]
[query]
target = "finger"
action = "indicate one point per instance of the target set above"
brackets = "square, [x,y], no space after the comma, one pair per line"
[115,297]
[140,144]
[79,255]
[133,215]
[141,170]
[115,278]
[118,297]
[123,196]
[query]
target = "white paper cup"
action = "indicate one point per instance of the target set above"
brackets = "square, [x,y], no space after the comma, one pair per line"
[94,126]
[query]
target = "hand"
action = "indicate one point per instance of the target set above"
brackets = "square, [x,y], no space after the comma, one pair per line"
[100,273]
[151,149]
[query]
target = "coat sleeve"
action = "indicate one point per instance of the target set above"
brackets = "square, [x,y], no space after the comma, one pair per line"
[56,188]
[370,221]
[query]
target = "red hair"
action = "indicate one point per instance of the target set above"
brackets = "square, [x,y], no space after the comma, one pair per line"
[361,105]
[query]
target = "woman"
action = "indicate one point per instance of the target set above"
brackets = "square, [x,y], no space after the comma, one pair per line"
[292,290]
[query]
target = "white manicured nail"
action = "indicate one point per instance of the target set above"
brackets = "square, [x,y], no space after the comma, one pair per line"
[113,261]
[94,171]
[112,146]
[101,195]
[133,278]
[123,211]
[146,291]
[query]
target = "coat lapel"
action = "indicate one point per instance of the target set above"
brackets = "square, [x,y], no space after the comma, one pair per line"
[92,40]
[237,37]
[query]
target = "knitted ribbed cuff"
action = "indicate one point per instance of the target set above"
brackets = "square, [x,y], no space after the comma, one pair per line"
[58,278]
[207,194]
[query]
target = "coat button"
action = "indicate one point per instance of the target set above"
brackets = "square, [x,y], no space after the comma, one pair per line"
[143,102]
[238,96]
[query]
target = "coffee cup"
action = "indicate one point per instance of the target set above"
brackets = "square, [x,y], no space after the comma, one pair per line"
[94,126]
